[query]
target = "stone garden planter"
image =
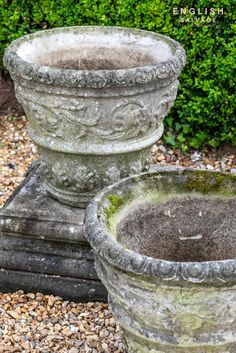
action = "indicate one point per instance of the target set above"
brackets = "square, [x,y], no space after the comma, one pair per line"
[95,98]
[165,248]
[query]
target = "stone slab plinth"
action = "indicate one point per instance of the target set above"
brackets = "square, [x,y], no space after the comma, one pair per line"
[42,245]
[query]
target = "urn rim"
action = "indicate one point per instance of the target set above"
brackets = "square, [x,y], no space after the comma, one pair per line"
[124,77]
[217,272]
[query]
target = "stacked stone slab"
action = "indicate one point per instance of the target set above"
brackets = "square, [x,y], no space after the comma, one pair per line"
[43,246]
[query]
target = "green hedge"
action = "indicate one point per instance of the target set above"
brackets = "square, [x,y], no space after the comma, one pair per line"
[204,112]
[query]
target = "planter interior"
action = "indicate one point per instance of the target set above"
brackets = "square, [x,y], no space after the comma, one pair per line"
[191,220]
[95,51]
[181,228]
[179,216]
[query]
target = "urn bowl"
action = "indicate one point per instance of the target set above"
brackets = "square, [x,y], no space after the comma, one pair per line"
[95,98]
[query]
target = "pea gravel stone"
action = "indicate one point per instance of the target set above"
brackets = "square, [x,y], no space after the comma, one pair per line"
[36,323]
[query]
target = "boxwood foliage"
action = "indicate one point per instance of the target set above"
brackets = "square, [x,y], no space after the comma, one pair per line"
[204,112]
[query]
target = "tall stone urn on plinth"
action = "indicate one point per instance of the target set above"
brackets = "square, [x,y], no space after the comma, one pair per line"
[95,98]
[165,248]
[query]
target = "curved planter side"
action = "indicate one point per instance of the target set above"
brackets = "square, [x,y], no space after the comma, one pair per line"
[164,306]
[160,318]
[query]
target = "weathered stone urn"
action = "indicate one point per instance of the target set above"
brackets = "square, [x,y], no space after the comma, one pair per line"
[95,98]
[165,248]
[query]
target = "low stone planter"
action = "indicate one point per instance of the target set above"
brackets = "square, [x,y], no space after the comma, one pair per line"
[165,248]
[95,98]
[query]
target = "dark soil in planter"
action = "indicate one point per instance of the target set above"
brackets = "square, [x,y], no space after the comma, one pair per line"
[100,58]
[182,228]
[8,101]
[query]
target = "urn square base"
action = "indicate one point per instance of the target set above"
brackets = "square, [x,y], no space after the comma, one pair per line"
[42,245]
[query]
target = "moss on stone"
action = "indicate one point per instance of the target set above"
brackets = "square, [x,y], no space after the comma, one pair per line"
[116,201]
[208,182]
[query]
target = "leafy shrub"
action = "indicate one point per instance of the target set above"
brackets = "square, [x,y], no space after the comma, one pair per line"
[204,112]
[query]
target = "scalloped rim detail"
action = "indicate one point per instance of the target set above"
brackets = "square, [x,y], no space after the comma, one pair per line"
[207,272]
[93,78]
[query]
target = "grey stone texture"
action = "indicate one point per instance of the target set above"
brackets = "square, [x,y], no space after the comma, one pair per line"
[95,98]
[164,245]
[42,245]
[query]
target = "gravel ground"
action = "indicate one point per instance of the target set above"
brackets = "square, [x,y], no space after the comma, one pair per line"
[221,160]
[41,323]
[16,153]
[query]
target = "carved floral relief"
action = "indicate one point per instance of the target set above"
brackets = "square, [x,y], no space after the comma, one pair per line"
[85,178]
[129,119]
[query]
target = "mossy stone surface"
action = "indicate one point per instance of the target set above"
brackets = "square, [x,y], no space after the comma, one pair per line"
[165,250]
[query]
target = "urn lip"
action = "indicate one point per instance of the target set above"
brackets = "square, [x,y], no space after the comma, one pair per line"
[19,61]
[212,273]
